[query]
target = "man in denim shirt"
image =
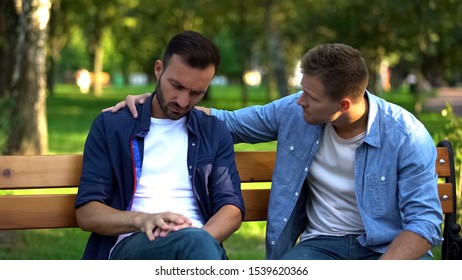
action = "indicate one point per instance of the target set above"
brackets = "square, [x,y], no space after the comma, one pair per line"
[354,175]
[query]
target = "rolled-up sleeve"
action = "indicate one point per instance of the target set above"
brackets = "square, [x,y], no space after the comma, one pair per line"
[225,187]
[418,188]
[96,183]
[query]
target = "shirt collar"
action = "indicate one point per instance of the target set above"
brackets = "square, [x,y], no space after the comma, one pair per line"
[372,133]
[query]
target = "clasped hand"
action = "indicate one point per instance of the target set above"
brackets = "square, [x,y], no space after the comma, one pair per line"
[161,224]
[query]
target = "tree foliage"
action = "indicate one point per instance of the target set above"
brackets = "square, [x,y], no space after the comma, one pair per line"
[422,35]
[126,36]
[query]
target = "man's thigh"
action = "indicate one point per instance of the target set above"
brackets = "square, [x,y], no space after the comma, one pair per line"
[330,248]
[185,244]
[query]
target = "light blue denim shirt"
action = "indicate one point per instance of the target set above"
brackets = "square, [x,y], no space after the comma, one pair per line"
[396,182]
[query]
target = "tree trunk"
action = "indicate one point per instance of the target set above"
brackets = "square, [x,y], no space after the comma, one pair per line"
[244,92]
[58,37]
[5,7]
[53,55]
[98,69]
[51,75]
[276,60]
[27,23]
[244,52]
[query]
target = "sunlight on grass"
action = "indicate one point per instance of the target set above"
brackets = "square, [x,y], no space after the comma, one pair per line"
[44,244]
[248,243]
[252,229]
[71,143]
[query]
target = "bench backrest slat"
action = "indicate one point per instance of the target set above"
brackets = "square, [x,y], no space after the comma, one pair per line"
[28,172]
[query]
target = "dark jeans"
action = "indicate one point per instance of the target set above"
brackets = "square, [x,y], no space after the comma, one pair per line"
[333,248]
[330,248]
[185,244]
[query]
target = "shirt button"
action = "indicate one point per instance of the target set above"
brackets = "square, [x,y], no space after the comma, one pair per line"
[272,243]
[382,178]
[317,142]
[291,148]
[306,169]
[296,194]
[193,144]
[190,167]
[190,176]
[284,220]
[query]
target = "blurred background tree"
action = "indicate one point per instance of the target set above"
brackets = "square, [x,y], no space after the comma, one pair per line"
[23,26]
[122,38]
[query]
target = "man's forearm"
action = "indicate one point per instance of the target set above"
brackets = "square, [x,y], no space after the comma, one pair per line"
[407,246]
[102,219]
[224,223]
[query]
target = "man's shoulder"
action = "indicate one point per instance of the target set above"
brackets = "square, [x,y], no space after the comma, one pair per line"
[123,115]
[203,121]
[392,110]
[199,115]
[397,118]
[121,121]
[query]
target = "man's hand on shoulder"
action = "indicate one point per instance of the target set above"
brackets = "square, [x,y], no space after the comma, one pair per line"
[204,109]
[129,101]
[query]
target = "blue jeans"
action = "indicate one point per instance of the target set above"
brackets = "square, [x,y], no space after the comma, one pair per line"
[185,244]
[333,248]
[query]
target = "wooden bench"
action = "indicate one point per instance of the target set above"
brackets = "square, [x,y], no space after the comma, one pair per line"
[63,171]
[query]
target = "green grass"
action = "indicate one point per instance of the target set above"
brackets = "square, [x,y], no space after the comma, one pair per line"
[43,244]
[70,115]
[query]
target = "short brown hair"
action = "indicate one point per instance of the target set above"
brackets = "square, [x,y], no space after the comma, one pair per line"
[341,68]
[194,48]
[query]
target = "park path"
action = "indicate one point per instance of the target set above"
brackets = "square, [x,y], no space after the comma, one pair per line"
[446,94]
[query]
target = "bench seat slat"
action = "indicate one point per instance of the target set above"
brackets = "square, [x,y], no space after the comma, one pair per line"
[37,211]
[57,211]
[256,202]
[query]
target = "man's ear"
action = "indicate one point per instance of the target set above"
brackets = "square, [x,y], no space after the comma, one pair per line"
[345,105]
[158,68]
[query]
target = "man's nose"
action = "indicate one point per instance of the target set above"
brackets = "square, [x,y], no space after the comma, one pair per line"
[183,99]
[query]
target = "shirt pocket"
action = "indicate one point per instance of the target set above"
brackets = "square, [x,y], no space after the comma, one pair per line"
[383,196]
[288,162]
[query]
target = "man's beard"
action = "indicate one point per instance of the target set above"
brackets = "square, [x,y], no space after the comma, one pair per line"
[164,105]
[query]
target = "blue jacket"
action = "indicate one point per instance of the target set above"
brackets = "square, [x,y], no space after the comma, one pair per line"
[396,182]
[113,158]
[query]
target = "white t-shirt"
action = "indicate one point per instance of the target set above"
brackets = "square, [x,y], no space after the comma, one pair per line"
[164,184]
[331,206]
